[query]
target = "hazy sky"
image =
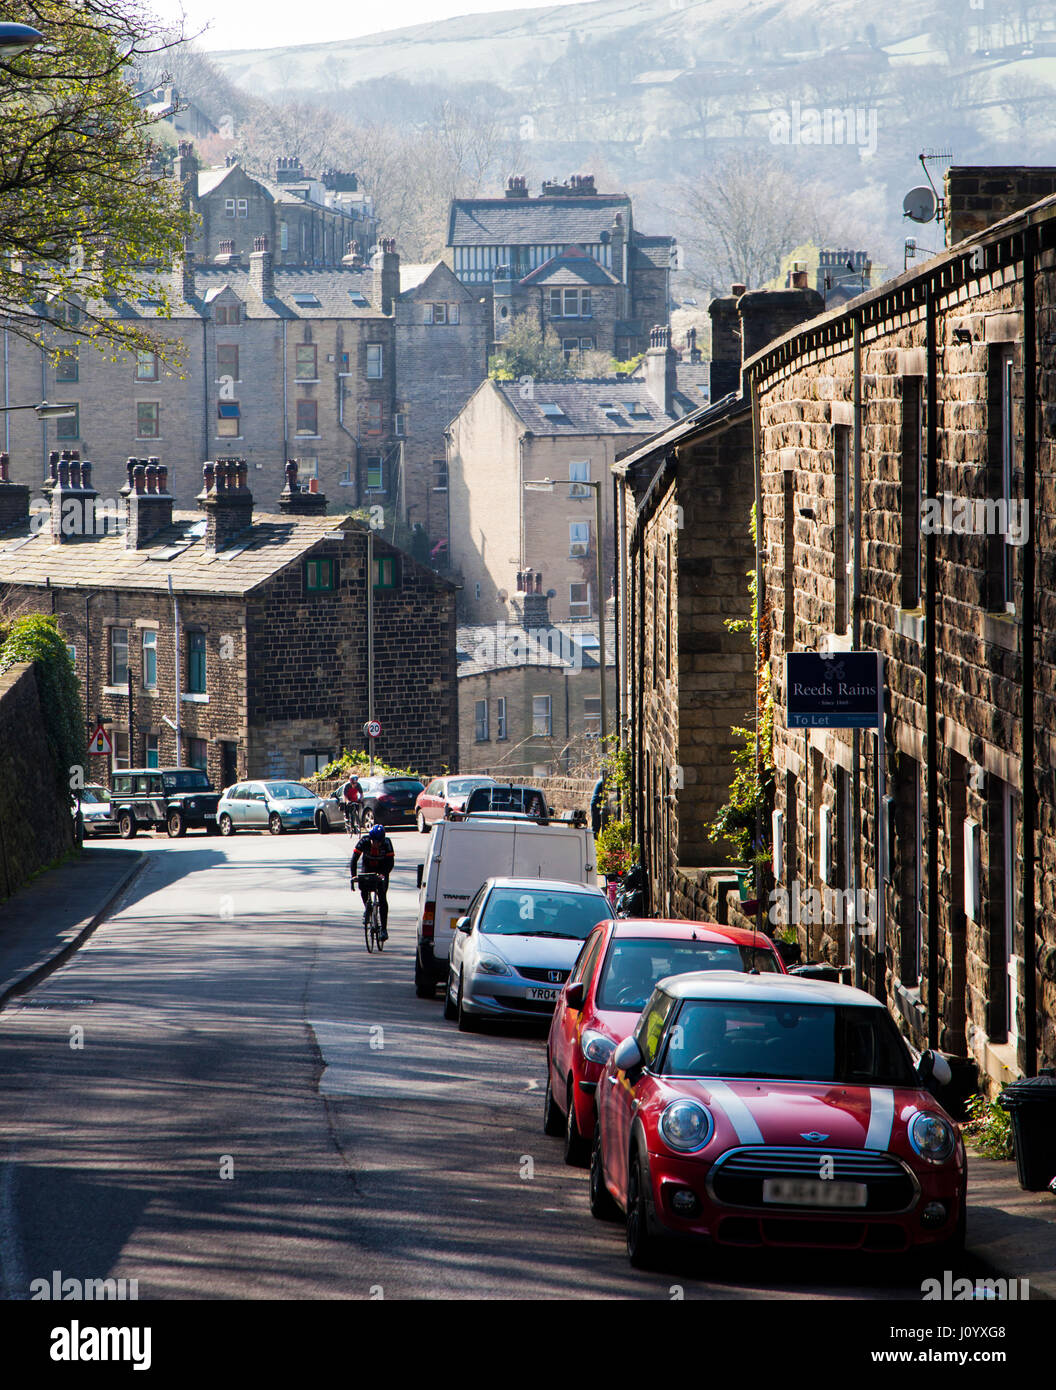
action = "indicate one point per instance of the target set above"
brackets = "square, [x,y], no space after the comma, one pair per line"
[277,23]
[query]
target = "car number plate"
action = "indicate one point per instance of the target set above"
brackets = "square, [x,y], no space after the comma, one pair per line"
[798,1192]
[549,994]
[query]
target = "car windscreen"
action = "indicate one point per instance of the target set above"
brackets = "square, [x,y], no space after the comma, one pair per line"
[524,799]
[542,912]
[634,966]
[186,782]
[288,791]
[787,1041]
[463,785]
[98,794]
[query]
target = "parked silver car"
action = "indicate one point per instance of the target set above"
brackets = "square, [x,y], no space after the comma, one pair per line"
[515,947]
[276,806]
[97,814]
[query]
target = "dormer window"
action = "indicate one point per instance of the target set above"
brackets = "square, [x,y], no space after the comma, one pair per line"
[228,314]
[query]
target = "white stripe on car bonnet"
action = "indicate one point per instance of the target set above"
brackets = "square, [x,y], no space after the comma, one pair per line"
[738,1114]
[881,1118]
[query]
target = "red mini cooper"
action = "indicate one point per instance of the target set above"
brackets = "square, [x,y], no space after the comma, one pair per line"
[614,975]
[764,1110]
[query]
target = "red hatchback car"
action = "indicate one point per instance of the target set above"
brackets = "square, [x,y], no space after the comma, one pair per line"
[766,1110]
[613,977]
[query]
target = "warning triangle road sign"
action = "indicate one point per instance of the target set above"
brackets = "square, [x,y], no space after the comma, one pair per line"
[100,742]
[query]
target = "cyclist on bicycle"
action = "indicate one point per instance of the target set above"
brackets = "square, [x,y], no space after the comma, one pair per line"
[378,855]
[351,797]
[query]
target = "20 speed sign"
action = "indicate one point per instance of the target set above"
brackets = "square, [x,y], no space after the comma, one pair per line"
[372,729]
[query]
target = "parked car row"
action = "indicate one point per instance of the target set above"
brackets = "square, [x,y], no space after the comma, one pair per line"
[718,1100]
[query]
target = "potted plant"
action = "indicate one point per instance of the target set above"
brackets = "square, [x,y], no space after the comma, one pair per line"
[616,852]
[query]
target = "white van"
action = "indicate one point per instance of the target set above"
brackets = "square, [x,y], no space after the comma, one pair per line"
[462,854]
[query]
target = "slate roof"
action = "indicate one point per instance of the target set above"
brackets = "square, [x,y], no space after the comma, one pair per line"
[102,562]
[651,252]
[330,285]
[582,405]
[571,269]
[534,221]
[483,647]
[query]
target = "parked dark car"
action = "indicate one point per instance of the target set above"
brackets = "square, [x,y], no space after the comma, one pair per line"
[389,800]
[505,796]
[176,799]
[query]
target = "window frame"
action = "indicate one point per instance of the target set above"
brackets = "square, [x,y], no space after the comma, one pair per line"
[578,534]
[197,664]
[149,649]
[300,352]
[148,405]
[151,374]
[375,361]
[538,717]
[114,644]
[307,408]
[69,426]
[480,721]
[71,359]
[320,574]
[501,728]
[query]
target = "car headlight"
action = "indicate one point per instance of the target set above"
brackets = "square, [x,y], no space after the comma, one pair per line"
[931,1137]
[596,1047]
[685,1126]
[492,965]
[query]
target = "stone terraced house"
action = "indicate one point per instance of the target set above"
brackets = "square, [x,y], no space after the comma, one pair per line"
[243,635]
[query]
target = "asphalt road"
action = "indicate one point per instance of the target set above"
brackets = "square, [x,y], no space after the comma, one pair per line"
[222,1095]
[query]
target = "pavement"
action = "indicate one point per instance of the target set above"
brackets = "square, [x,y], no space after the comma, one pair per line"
[1011,1233]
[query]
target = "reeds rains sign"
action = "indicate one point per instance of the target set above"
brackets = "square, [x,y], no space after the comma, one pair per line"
[834,690]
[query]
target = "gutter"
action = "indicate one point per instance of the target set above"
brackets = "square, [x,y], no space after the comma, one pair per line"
[931,719]
[1027,797]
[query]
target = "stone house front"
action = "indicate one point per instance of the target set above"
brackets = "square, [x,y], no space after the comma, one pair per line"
[906,468]
[228,640]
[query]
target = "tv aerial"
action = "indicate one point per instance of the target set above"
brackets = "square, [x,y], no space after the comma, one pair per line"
[924,203]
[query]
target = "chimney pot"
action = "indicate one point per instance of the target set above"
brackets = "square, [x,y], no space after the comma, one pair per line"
[5,459]
[86,474]
[208,476]
[139,474]
[737,289]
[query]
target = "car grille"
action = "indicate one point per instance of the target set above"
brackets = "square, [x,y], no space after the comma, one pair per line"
[737,1178]
[543,976]
[831,1235]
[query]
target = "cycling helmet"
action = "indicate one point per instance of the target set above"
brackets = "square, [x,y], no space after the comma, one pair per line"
[376,832]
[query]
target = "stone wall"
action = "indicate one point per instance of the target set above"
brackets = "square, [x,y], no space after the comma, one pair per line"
[806,423]
[36,826]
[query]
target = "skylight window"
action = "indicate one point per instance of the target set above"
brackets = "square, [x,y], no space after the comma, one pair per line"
[552,411]
[637,410]
[359,299]
[307,301]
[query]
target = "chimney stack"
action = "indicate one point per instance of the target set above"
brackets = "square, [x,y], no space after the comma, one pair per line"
[227,255]
[296,500]
[73,500]
[386,267]
[288,169]
[661,368]
[261,271]
[535,605]
[618,240]
[353,257]
[768,314]
[14,497]
[725,366]
[227,502]
[516,187]
[148,504]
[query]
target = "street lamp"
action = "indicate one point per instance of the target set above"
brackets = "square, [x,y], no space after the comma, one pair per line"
[45,411]
[17,38]
[548,485]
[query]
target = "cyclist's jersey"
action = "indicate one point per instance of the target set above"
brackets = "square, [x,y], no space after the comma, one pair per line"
[352,792]
[378,855]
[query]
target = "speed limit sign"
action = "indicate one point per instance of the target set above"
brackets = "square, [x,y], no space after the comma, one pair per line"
[372,728]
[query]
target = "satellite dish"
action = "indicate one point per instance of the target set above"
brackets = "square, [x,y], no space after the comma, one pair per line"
[920,204]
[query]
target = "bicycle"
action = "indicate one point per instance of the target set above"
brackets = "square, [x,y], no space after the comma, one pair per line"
[352,818]
[372,926]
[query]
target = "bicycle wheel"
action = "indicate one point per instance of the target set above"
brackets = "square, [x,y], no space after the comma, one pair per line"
[377,926]
[368,929]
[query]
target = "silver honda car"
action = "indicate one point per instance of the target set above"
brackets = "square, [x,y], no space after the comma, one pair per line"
[514,948]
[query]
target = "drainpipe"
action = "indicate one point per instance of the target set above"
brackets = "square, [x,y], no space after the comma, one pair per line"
[930,690]
[760,599]
[7,395]
[1027,795]
[285,403]
[641,791]
[176,650]
[617,579]
[856,643]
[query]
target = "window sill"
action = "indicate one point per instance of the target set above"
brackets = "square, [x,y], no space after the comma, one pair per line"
[121,690]
[306,380]
[1002,630]
[910,623]
[149,692]
[298,435]
[194,699]
[228,438]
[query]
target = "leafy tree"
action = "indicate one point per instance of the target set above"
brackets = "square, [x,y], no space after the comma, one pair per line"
[82,209]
